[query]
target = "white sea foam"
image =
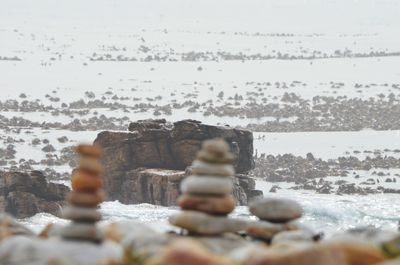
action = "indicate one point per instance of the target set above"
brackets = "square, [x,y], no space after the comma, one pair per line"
[323,213]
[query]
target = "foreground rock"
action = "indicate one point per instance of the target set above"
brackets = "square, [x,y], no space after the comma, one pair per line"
[25,194]
[148,163]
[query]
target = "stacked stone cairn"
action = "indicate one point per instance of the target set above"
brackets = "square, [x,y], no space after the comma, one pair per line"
[278,221]
[86,195]
[207,194]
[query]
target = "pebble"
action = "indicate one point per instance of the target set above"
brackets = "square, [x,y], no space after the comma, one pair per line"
[204,224]
[276,210]
[215,151]
[207,185]
[202,168]
[81,214]
[89,150]
[208,204]
[81,231]
[90,164]
[266,230]
[86,198]
[83,181]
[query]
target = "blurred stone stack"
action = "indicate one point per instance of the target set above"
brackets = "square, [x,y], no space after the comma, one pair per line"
[278,216]
[207,194]
[86,195]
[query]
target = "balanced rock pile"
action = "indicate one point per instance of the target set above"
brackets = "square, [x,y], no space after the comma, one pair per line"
[277,217]
[85,197]
[207,197]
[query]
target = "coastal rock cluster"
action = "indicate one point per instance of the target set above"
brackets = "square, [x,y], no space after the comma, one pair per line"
[309,173]
[147,164]
[210,237]
[25,194]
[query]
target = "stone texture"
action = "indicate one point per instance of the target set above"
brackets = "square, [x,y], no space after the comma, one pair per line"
[204,224]
[207,185]
[316,254]
[155,186]
[186,251]
[266,230]
[20,250]
[86,183]
[161,145]
[211,205]
[276,209]
[25,194]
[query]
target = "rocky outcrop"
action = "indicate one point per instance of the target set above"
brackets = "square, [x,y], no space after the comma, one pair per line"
[25,194]
[146,164]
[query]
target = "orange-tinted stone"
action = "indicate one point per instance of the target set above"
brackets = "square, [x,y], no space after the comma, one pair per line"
[84,181]
[86,198]
[90,164]
[208,204]
[185,252]
[89,150]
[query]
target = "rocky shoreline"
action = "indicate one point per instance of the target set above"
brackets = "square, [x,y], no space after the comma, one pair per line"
[310,173]
[203,232]
[286,113]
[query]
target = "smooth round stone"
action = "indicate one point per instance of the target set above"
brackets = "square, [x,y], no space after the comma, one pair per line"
[204,224]
[207,185]
[89,150]
[203,168]
[212,205]
[266,230]
[81,231]
[81,214]
[84,181]
[90,199]
[90,164]
[276,210]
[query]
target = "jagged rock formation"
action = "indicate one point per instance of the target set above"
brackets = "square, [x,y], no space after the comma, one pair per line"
[147,163]
[25,194]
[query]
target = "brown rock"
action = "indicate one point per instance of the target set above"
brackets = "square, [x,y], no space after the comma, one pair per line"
[164,146]
[208,204]
[84,181]
[90,164]
[25,194]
